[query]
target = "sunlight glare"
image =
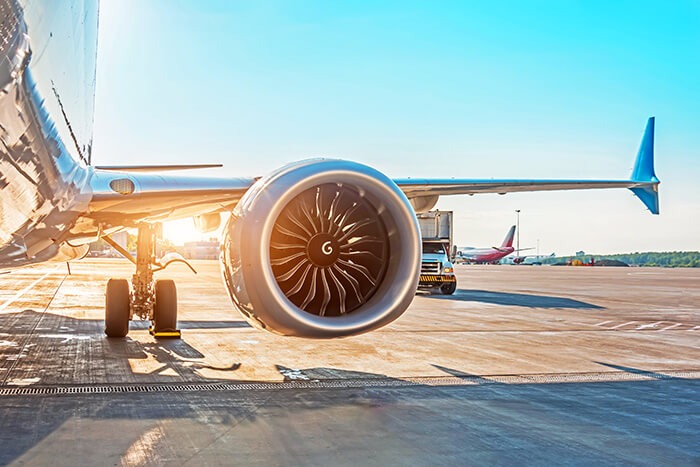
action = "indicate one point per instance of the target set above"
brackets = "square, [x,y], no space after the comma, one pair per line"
[183,230]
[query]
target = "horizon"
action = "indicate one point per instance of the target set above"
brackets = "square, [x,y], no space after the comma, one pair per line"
[209,237]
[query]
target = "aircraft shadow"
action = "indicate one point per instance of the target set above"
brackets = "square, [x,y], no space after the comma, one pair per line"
[478,415]
[637,371]
[451,421]
[190,324]
[46,340]
[515,299]
[465,376]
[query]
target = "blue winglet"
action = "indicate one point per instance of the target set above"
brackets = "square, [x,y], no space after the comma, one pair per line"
[649,196]
[644,171]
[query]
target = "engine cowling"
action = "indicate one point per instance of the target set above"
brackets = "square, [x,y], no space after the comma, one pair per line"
[322,248]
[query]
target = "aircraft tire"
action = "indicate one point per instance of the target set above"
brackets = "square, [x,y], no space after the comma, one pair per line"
[165,309]
[117,308]
[449,288]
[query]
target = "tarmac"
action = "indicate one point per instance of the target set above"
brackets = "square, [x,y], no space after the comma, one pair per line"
[527,365]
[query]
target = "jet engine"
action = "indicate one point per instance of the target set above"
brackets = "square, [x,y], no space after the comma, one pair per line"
[322,248]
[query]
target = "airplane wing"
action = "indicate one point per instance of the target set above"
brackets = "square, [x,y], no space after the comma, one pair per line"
[131,196]
[514,251]
[643,182]
[428,187]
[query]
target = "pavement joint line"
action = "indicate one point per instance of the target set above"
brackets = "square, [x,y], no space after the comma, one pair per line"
[142,330]
[386,382]
[507,331]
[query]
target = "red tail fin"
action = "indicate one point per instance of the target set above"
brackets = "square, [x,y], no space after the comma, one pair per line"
[508,241]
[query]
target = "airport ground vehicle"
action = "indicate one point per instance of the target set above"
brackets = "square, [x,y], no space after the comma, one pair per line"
[437,269]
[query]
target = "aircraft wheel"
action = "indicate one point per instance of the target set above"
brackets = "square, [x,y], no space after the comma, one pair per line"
[449,288]
[117,308]
[165,309]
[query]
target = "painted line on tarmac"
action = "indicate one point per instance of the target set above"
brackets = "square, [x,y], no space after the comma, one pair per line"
[28,337]
[26,289]
[623,325]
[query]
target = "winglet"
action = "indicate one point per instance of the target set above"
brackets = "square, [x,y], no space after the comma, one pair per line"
[643,171]
[644,164]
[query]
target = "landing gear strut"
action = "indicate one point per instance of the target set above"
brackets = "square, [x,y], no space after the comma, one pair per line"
[149,299]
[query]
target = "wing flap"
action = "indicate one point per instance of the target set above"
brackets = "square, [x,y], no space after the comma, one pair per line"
[156,168]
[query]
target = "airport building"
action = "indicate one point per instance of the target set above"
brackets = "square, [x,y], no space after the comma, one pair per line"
[208,249]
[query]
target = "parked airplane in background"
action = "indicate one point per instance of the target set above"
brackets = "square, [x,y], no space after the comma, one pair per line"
[492,254]
[319,248]
[530,259]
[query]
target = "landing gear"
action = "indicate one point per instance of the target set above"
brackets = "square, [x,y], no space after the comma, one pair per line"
[117,308]
[149,299]
[165,310]
[448,288]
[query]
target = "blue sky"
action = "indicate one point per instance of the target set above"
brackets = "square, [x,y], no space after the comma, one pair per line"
[434,89]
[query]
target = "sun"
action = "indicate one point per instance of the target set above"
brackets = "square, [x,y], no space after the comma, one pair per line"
[182,231]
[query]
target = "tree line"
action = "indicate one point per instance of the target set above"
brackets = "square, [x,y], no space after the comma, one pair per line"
[667,259]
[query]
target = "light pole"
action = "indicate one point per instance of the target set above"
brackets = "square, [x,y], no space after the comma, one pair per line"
[517,231]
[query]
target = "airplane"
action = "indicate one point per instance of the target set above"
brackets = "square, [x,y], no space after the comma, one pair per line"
[490,255]
[536,259]
[319,248]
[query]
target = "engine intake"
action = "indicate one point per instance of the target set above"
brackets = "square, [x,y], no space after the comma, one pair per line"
[322,248]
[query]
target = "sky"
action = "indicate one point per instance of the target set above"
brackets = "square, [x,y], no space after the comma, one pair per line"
[421,89]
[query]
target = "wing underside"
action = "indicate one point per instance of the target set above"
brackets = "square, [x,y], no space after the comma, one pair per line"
[430,187]
[125,199]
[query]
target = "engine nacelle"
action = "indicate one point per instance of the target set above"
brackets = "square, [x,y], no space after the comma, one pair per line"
[422,204]
[322,248]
